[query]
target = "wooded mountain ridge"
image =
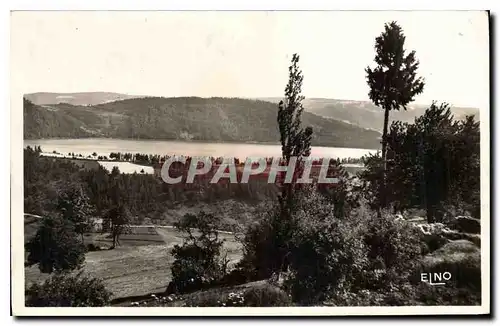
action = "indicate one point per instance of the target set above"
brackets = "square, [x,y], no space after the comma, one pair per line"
[182,118]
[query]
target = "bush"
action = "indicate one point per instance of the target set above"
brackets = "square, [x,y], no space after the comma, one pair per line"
[267,243]
[262,245]
[394,249]
[64,290]
[352,262]
[321,249]
[327,256]
[237,276]
[198,262]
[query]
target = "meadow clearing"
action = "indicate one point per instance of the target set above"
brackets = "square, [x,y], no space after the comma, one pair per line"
[139,266]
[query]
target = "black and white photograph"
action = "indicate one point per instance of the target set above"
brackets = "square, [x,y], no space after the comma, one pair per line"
[183,163]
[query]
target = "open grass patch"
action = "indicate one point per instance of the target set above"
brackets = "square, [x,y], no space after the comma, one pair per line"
[135,268]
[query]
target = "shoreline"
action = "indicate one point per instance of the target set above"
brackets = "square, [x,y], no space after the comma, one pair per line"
[185,141]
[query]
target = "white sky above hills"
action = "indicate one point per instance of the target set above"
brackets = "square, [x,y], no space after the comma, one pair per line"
[244,54]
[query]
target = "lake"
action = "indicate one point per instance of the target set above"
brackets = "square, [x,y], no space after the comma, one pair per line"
[104,146]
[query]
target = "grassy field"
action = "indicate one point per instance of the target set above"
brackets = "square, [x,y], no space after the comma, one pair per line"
[140,265]
[127,167]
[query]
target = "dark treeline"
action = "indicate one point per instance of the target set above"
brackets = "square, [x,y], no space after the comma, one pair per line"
[153,159]
[146,196]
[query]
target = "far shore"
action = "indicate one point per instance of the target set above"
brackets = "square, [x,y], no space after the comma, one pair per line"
[190,141]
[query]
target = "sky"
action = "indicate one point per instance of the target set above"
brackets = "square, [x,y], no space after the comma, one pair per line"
[244,54]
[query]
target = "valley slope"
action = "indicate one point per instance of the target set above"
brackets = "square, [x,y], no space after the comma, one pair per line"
[365,114]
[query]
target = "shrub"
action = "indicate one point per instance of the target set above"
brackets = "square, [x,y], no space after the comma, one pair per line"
[313,243]
[64,290]
[237,276]
[267,243]
[262,245]
[198,261]
[394,250]
[327,256]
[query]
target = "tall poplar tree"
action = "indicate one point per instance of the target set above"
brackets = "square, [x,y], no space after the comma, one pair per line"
[295,140]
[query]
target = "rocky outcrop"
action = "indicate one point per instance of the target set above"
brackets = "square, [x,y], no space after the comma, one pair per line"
[436,235]
[432,234]
[456,235]
[460,258]
[466,224]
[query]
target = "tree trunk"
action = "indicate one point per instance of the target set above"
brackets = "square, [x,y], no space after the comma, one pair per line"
[383,194]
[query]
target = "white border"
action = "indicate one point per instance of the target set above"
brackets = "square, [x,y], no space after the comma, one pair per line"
[17,184]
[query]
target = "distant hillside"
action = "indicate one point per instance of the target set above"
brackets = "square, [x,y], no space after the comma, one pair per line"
[366,115]
[184,118]
[83,98]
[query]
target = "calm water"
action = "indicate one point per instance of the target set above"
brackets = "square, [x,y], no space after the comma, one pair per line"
[165,147]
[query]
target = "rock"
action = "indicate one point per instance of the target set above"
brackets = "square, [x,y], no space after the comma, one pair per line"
[398,217]
[460,258]
[416,219]
[436,235]
[431,228]
[455,235]
[434,241]
[457,247]
[432,234]
[466,224]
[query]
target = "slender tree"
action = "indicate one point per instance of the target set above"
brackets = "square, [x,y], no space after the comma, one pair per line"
[393,82]
[117,222]
[295,142]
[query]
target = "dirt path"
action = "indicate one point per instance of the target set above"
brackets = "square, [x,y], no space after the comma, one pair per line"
[172,227]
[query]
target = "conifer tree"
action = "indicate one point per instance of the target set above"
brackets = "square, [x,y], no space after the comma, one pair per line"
[393,82]
[55,246]
[74,205]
